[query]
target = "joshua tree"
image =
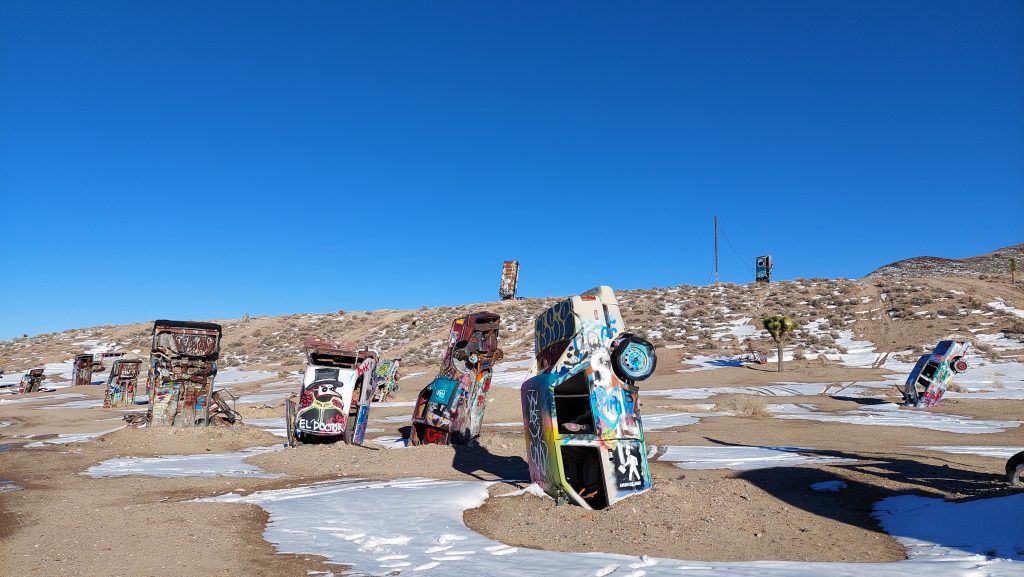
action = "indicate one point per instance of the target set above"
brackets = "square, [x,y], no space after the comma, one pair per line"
[779,327]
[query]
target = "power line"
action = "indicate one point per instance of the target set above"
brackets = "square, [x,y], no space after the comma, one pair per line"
[745,263]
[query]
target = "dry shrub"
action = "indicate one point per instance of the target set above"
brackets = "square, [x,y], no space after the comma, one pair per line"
[952,387]
[745,406]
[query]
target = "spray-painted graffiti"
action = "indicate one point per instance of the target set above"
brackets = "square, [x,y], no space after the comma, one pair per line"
[335,395]
[583,431]
[31,382]
[121,383]
[509,279]
[454,403]
[385,379]
[82,370]
[182,367]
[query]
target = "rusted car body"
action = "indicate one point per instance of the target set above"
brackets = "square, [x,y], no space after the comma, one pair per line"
[97,360]
[763,268]
[335,395]
[929,378]
[32,382]
[385,379]
[450,410]
[182,367]
[509,280]
[581,413]
[121,383]
[82,371]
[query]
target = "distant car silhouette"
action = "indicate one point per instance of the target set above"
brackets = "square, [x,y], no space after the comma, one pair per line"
[931,375]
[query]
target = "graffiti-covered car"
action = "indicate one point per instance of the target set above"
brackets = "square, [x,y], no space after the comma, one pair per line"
[931,375]
[584,436]
[509,280]
[385,379]
[121,383]
[335,395]
[82,370]
[450,410]
[182,367]
[31,382]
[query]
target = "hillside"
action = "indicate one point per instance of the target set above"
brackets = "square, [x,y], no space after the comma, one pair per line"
[692,321]
[995,263]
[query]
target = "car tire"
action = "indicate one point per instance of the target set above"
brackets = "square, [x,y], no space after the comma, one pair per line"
[1015,470]
[633,359]
[959,365]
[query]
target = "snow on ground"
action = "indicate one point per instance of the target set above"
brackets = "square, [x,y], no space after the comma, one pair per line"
[985,527]
[512,374]
[999,341]
[263,397]
[830,486]
[273,426]
[430,537]
[41,398]
[999,305]
[996,452]
[71,438]
[776,390]
[233,376]
[395,404]
[702,363]
[989,380]
[80,404]
[891,415]
[391,442]
[395,419]
[742,458]
[660,421]
[203,465]
[6,486]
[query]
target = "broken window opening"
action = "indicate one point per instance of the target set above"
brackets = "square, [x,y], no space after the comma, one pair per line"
[582,466]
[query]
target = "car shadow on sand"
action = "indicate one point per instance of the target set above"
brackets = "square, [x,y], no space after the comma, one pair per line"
[868,479]
[476,461]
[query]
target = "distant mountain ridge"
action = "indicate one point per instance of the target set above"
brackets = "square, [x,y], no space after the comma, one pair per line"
[996,262]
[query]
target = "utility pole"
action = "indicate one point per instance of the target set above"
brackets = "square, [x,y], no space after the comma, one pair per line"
[716,250]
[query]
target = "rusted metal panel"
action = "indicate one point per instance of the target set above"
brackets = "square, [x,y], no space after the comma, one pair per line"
[122,382]
[450,410]
[509,280]
[31,382]
[182,367]
[82,371]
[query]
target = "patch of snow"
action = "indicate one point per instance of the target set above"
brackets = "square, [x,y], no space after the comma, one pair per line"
[891,415]
[390,442]
[233,376]
[830,486]
[6,486]
[1001,306]
[41,398]
[996,452]
[743,458]
[71,438]
[932,529]
[82,404]
[275,426]
[263,397]
[202,465]
[430,535]
[660,421]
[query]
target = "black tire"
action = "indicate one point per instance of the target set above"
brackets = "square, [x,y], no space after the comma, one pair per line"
[1015,470]
[958,365]
[633,358]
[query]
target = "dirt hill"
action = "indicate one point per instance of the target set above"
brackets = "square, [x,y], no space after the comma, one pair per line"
[995,263]
[893,314]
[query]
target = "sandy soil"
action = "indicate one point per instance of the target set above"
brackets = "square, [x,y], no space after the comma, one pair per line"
[64,522]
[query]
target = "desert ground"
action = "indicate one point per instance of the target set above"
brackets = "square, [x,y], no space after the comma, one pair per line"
[811,471]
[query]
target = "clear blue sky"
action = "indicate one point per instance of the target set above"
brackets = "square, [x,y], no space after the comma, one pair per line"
[210,159]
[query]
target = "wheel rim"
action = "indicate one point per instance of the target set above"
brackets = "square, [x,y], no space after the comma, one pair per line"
[636,359]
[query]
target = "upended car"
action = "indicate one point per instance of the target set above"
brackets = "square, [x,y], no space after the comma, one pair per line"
[450,410]
[581,415]
[121,383]
[929,378]
[335,395]
[182,367]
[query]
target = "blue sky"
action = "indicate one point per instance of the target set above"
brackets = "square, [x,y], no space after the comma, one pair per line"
[211,159]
